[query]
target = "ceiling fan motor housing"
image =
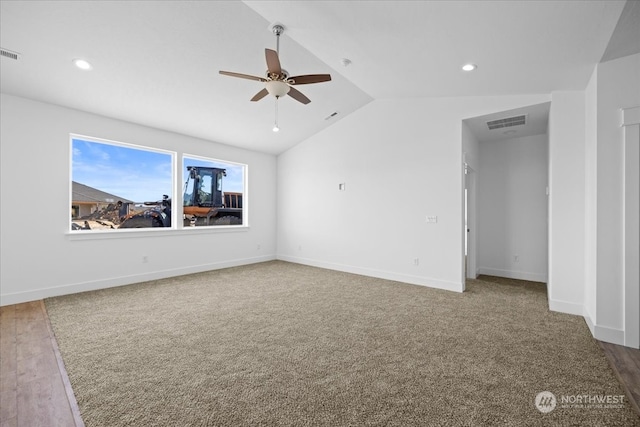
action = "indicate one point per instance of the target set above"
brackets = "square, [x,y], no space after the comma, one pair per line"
[277,88]
[283,76]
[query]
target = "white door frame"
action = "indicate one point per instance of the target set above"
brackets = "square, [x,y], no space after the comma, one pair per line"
[470,270]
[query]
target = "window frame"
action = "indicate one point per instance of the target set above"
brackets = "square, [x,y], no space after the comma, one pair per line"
[177,187]
[245,203]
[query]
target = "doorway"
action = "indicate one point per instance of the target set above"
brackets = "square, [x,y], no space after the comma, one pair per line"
[505,157]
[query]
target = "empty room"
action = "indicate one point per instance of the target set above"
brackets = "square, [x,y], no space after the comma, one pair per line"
[319,213]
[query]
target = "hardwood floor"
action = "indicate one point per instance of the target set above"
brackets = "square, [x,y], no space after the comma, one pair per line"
[35,390]
[625,362]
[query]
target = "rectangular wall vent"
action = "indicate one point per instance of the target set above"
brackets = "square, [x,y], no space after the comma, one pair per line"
[507,122]
[9,54]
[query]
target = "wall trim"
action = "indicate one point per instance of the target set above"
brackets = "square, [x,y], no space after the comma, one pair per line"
[511,274]
[610,335]
[630,116]
[630,242]
[380,274]
[601,333]
[566,307]
[590,324]
[38,294]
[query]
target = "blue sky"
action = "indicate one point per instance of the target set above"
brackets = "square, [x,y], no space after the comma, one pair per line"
[136,174]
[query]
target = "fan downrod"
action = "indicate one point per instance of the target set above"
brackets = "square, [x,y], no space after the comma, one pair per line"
[277,30]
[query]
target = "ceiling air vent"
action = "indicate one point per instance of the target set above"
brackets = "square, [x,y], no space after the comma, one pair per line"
[507,123]
[9,54]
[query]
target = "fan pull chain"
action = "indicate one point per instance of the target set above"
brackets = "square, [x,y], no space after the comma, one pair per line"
[275,126]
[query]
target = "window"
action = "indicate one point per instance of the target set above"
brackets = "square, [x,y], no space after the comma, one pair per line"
[213,192]
[122,186]
[115,185]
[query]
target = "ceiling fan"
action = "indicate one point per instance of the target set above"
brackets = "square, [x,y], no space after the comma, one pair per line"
[277,81]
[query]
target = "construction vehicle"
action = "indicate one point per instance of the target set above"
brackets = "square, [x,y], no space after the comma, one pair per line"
[159,215]
[203,203]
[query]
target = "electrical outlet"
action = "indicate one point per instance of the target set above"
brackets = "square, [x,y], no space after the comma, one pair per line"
[432,219]
[145,259]
[516,258]
[416,261]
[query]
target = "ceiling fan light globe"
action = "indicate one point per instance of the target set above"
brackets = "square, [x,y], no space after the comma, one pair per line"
[277,88]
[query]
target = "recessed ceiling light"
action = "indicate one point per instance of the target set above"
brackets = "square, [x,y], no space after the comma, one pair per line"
[82,64]
[469,67]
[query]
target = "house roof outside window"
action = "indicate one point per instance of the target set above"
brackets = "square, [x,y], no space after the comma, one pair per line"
[84,194]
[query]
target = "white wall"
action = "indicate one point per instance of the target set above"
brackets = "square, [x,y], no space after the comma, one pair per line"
[401,160]
[566,202]
[618,86]
[614,85]
[512,208]
[591,198]
[40,259]
[587,201]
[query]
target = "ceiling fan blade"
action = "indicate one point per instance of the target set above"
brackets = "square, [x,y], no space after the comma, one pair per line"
[243,76]
[310,78]
[258,96]
[298,96]
[273,62]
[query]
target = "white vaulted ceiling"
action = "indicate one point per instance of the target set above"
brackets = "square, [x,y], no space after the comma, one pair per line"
[156,62]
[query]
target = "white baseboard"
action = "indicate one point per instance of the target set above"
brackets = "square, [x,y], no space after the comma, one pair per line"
[566,307]
[512,274]
[610,335]
[590,324]
[38,294]
[387,275]
[602,333]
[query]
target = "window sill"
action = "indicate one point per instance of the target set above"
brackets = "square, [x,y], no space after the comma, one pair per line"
[152,232]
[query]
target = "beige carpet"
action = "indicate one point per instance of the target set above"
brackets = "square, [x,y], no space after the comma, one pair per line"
[284,344]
